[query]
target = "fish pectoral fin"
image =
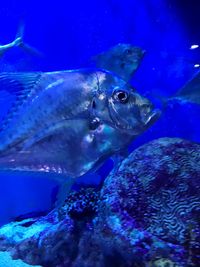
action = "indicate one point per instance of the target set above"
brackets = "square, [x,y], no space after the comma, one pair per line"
[118,158]
[63,192]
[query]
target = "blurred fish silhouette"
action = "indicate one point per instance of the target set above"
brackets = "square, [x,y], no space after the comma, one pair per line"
[19,42]
[65,124]
[190,92]
[122,59]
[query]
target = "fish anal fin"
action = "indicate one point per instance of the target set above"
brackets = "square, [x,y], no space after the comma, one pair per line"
[63,192]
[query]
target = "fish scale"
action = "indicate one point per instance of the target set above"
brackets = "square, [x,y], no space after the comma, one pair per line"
[31,119]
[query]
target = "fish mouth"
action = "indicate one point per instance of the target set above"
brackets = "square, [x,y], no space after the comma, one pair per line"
[138,126]
[151,117]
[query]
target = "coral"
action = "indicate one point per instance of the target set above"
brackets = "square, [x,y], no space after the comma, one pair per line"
[163,263]
[156,189]
[146,214]
[82,204]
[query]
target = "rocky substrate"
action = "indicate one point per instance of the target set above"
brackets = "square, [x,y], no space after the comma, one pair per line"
[147,213]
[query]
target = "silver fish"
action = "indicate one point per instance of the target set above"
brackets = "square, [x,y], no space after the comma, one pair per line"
[122,59]
[68,122]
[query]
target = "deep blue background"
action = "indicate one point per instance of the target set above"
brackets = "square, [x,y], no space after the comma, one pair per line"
[69,33]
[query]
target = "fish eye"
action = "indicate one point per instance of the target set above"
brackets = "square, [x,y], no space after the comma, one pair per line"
[121,96]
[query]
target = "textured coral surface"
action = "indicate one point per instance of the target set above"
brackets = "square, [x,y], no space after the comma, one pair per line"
[147,213]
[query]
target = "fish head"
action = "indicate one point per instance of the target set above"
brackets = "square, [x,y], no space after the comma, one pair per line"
[129,58]
[124,109]
[128,52]
[121,59]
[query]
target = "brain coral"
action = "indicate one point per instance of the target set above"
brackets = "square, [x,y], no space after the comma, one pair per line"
[157,189]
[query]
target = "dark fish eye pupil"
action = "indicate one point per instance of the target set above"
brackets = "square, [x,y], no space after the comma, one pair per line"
[93,104]
[122,96]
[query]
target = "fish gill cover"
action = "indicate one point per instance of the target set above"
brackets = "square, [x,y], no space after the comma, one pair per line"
[59,130]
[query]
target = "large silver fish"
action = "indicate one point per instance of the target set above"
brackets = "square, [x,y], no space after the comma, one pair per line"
[66,123]
[122,59]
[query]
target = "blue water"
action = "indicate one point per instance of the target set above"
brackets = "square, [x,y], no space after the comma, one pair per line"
[26,198]
[69,33]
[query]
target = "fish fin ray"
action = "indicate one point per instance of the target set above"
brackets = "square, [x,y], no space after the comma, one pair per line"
[19,83]
[21,86]
[20,31]
[19,41]
[31,50]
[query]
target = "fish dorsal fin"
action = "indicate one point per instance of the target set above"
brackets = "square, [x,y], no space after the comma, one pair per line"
[19,83]
[21,86]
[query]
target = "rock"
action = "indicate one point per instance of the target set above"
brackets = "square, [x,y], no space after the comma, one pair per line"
[82,204]
[53,239]
[7,261]
[156,190]
[146,214]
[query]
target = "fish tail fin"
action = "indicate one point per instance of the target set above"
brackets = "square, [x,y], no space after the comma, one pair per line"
[19,36]
[19,41]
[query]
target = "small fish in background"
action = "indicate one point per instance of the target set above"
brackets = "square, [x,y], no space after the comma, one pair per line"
[122,59]
[65,124]
[190,92]
[19,42]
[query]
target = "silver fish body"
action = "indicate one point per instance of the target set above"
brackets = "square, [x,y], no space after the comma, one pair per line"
[68,122]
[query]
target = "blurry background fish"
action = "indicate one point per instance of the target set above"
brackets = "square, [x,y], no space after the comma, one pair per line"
[122,59]
[70,33]
[189,92]
[18,42]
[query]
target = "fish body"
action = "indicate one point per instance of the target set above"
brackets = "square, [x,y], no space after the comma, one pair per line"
[122,59]
[69,122]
